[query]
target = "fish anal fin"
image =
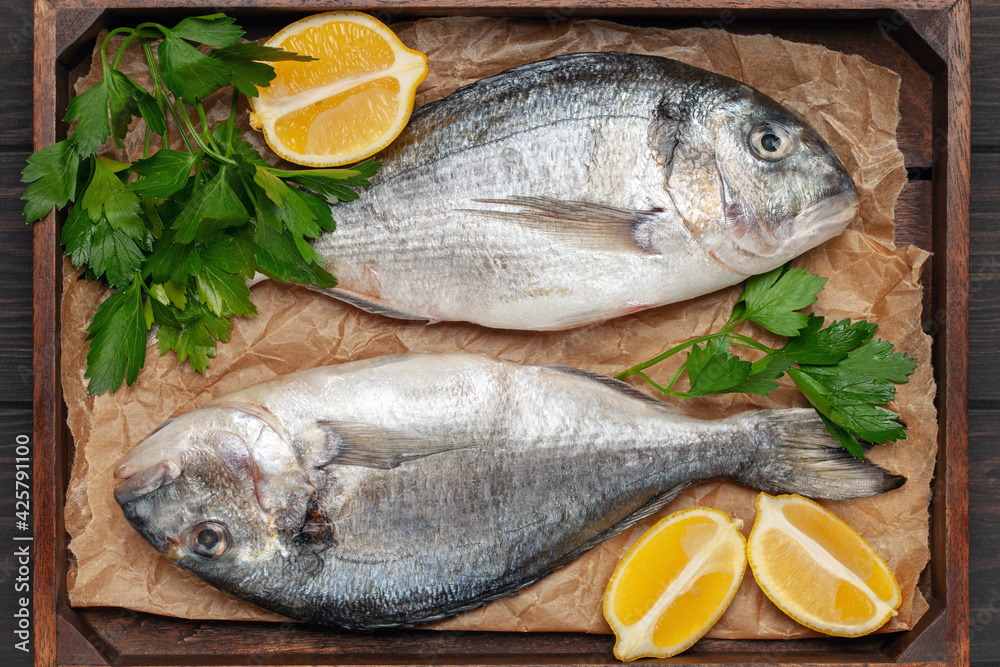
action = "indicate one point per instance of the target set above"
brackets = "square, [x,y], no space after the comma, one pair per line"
[594,226]
[371,446]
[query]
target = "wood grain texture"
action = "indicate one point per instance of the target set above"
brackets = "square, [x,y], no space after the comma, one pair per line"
[145,638]
[129,638]
[914,208]
[984,279]
[15,284]
[951,354]
[986,75]
[15,306]
[984,542]
[15,54]
[47,403]
[455,6]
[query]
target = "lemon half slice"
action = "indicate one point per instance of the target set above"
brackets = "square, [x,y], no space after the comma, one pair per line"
[818,570]
[675,583]
[348,104]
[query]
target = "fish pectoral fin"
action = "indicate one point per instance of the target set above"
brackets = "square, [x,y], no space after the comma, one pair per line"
[594,226]
[370,446]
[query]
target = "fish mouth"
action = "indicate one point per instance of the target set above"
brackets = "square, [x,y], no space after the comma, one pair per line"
[826,218]
[144,482]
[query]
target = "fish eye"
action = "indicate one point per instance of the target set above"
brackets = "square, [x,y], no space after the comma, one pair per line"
[209,539]
[770,141]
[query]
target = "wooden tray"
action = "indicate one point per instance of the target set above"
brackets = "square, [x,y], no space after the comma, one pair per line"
[925,41]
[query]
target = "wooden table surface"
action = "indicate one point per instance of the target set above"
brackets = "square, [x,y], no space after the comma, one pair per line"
[984,336]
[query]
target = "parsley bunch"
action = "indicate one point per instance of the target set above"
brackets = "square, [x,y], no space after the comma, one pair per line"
[177,233]
[843,371]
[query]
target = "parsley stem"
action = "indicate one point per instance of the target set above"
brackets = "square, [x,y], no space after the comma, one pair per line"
[124,45]
[178,111]
[183,115]
[750,342]
[107,40]
[677,375]
[161,96]
[204,124]
[645,377]
[232,119]
[669,353]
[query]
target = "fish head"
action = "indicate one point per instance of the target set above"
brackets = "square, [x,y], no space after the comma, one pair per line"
[202,490]
[763,185]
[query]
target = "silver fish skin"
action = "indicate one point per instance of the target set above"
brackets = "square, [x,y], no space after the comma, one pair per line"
[581,188]
[404,489]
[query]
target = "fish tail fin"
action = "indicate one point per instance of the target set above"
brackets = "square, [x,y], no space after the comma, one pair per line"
[797,455]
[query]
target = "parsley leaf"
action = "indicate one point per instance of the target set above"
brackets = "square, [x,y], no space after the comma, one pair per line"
[213,207]
[847,402]
[763,374]
[213,29]
[173,261]
[106,196]
[152,113]
[52,173]
[117,336]
[189,73]
[77,235]
[180,240]
[232,254]
[773,299]
[334,185]
[225,294]
[843,436]
[246,73]
[169,294]
[194,340]
[877,359]
[89,110]
[713,369]
[814,345]
[279,258]
[163,173]
[844,373]
[114,255]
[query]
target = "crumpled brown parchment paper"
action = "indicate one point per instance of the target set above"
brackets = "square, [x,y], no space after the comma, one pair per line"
[851,102]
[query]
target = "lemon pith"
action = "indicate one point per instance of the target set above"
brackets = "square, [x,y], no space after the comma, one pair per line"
[347,105]
[675,583]
[818,570]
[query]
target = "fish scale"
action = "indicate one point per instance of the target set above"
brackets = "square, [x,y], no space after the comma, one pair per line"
[400,490]
[581,188]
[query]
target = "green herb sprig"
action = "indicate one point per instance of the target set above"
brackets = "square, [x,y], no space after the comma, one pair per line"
[177,233]
[844,372]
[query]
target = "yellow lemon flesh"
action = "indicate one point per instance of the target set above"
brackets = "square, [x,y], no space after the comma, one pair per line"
[818,570]
[348,104]
[675,583]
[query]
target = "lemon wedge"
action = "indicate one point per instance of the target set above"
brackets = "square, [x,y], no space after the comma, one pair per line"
[675,583]
[818,570]
[346,105]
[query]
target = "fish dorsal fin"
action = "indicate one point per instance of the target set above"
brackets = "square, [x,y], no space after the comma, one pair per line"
[612,383]
[593,226]
[370,446]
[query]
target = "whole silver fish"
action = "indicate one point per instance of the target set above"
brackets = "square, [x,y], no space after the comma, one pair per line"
[581,188]
[405,489]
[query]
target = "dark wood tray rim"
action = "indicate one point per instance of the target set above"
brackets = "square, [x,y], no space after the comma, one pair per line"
[941,638]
